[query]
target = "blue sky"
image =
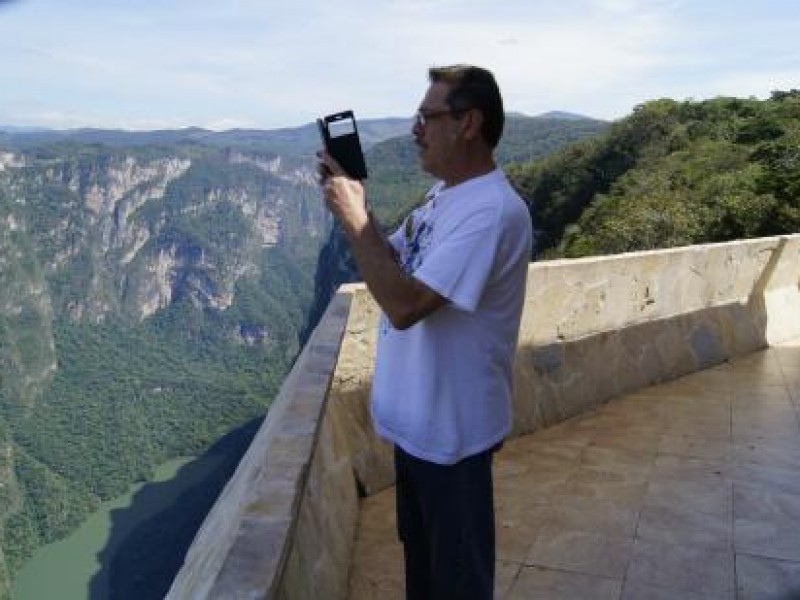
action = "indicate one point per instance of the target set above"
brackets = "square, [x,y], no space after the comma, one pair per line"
[136,64]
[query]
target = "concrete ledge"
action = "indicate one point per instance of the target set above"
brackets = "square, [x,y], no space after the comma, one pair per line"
[244,545]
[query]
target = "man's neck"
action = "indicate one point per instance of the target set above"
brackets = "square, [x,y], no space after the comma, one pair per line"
[470,170]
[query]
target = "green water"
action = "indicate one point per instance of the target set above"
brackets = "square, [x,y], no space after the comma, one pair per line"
[65,569]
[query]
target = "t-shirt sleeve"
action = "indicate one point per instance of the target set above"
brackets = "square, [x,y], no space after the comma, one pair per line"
[459,267]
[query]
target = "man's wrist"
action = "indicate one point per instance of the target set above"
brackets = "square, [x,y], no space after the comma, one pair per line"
[356,224]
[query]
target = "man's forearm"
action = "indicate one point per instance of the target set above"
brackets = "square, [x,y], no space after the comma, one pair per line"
[404,299]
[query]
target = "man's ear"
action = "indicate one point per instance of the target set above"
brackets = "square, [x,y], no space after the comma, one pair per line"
[473,122]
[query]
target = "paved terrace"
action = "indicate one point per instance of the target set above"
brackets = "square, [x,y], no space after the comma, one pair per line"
[685,490]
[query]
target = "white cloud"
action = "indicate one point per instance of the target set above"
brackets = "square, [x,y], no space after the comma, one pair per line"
[270,64]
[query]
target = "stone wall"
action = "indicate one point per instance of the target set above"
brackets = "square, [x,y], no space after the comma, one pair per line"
[597,328]
[592,329]
[242,549]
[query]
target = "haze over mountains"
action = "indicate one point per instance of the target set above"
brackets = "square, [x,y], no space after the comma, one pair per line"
[296,139]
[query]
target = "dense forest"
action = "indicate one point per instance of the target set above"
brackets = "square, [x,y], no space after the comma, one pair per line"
[670,174]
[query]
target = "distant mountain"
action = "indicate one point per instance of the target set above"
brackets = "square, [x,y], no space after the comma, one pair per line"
[21,129]
[564,116]
[294,141]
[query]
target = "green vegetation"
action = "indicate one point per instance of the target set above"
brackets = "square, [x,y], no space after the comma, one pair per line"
[125,399]
[672,173]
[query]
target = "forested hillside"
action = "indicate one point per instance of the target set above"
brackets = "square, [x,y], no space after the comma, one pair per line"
[671,174]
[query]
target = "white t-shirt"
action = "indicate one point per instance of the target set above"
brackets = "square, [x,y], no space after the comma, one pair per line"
[442,388]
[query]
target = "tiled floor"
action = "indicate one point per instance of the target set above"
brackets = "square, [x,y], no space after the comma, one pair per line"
[685,490]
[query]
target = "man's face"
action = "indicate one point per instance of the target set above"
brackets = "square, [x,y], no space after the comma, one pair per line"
[437,139]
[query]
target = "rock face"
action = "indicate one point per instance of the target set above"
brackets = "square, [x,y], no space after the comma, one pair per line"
[27,355]
[141,231]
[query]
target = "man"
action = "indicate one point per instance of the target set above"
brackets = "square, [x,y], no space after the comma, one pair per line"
[451,284]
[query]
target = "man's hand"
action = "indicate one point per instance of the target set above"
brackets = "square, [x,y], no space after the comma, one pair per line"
[404,299]
[344,196]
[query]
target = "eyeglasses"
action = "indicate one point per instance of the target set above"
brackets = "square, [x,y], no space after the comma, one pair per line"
[421,118]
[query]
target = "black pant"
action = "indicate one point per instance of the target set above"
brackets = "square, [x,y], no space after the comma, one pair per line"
[445,519]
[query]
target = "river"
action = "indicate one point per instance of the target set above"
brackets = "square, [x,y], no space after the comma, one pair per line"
[77,567]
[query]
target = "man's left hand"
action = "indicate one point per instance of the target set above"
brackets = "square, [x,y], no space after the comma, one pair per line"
[344,196]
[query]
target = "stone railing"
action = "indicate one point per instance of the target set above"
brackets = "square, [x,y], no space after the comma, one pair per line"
[592,329]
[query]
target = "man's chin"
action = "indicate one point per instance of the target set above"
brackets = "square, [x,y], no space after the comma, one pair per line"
[424,163]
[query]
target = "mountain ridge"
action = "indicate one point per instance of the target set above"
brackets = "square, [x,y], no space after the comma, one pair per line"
[301,138]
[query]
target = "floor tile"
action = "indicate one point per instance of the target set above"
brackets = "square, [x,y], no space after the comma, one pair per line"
[717,429]
[638,591]
[770,477]
[766,523]
[515,531]
[764,397]
[759,362]
[505,574]
[617,459]
[756,379]
[576,431]
[754,502]
[596,516]
[772,452]
[767,538]
[695,447]
[708,382]
[536,453]
[679,525]
[759,578]
[528,491]
[682,568]
[593,483]
[634,438]
[706,407]
[581,552]
[536,583]
[766,424]
[714,497]
[690,469]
